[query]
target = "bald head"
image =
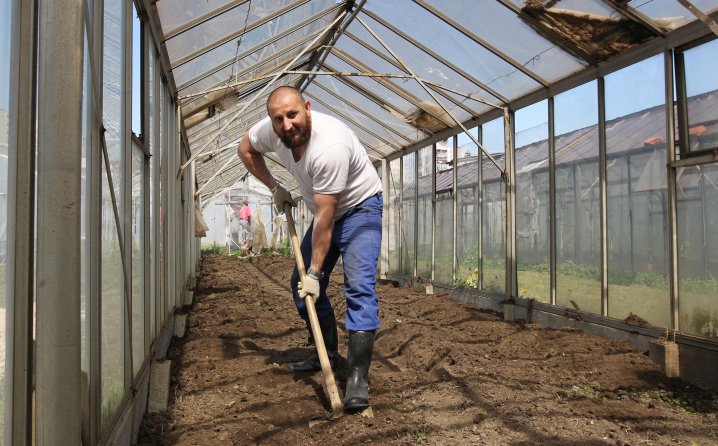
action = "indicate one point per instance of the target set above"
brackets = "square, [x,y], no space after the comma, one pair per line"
[284,93]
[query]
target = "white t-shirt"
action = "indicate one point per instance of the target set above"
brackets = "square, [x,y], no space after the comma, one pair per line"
[335,162]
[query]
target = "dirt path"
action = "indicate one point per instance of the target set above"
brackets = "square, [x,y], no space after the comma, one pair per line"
[443,374]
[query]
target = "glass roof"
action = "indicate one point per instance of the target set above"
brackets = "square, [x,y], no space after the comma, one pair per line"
[397,72]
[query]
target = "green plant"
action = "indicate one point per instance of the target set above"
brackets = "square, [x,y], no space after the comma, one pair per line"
[470,280]
[419,433]
[284,249]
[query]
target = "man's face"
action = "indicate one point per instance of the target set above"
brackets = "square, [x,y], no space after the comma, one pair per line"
[291,119]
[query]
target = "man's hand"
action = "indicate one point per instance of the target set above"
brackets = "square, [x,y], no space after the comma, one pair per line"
[281,196]
[309,287]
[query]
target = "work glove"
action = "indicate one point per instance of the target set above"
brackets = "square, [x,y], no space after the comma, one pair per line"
[309,287]
[280,196]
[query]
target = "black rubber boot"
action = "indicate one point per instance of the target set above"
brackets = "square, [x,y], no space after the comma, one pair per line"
[361,347]
[328,326]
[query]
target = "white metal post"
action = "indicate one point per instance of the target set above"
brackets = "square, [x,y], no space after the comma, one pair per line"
[603,191]
[59,127]
[20,228]
[384,268]
[454,205]
[672,189]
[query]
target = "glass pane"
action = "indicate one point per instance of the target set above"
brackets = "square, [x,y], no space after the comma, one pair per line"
[493,210]
[702,93]
[667,14]
[444,227]
[112,351]
[376,148]
[408,211]
[175,12]
[425,212]
[381,93]
[698,249]
[138,257]
[424,65]
[394,223]
[467,215]
[443,39]
[197,39]
[346,112]
[638,273]
[578,232]
[5,14]
[136,73]
[224,59]
[400,129]
[492,21]
[532,202]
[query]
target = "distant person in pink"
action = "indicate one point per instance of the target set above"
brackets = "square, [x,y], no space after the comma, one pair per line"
[245,216]
[244,213]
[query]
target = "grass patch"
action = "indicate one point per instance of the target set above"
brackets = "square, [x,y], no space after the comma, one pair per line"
[419,434]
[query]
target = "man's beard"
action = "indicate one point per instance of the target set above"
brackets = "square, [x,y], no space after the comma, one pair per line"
[299,138]
[296,140]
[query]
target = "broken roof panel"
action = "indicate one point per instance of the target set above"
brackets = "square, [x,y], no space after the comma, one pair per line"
[490,21]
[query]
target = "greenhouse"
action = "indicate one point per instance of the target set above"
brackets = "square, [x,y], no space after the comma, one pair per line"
[549,174]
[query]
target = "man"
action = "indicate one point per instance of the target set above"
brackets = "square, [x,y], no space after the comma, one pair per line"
[342,189]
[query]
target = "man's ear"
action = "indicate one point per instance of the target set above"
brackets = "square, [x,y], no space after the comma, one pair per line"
[308,107]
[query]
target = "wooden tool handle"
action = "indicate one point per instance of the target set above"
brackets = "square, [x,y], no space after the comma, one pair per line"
[330,387]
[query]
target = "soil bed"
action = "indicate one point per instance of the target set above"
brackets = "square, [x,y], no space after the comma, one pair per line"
[443,374]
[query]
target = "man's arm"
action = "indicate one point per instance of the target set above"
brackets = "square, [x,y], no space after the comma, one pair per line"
[254,162]
[326,208]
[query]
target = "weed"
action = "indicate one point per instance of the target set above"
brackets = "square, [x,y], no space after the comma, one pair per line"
[469,281]
[420,433]
[284,249]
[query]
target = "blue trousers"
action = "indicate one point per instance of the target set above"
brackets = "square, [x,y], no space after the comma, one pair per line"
[357,238]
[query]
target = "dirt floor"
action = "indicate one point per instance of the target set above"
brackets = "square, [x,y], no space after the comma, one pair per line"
[443,374]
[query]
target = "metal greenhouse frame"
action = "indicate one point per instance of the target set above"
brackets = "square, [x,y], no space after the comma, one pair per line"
[123,119]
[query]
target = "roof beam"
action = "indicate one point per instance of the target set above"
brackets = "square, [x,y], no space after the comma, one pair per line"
[320,55]
[457,26]
[361,110]
[433,96]
[392,87]
[376,99]
[256,48]
[219,92]
[195,54]
[348,119]
[203,18]
[633,14]
[700,15]
[155,25]
[448,97]
[371,48]
[440,58]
